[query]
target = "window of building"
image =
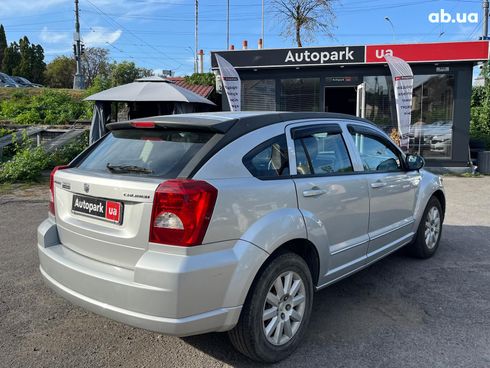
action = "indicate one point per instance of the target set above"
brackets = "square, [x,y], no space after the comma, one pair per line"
[269,159]
[321,153]
[259,95]
[300,94]
[432,111]
[376,153]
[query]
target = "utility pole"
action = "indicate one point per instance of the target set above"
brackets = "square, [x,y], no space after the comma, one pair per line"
[196,61]
[227,24]
[485,20]
[78,81]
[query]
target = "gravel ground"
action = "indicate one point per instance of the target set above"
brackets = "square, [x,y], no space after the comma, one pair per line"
[400,312]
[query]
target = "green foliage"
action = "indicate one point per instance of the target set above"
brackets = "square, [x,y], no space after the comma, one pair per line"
[5,131]
[48,107]
[26,165]
[3,44]
[99,84]
[480,110]
[28,162]
[65,154]
[126,72]
[206,79]
[24,59]
[11,58]
[59,72]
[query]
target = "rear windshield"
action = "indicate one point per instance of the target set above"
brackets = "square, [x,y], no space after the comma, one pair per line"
[145,152]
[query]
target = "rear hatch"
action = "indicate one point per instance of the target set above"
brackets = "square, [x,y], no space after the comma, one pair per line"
[103,202]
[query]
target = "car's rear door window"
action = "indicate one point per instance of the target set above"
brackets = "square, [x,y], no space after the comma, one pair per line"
[269,159]
[321,150]
[145,152]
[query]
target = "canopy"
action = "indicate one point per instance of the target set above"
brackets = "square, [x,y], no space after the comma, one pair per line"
[145,97]
[149,89]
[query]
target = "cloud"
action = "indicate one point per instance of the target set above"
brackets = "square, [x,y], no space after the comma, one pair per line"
[53,37]
[100,36]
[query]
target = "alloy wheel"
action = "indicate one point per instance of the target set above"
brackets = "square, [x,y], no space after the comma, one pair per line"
[284,308]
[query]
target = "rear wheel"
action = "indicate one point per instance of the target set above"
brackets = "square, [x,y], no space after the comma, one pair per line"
[277,310]
[429,232]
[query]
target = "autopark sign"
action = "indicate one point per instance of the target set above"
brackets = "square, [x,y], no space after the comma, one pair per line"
[342,55]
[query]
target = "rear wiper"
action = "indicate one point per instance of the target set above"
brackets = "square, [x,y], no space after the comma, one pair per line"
[128,168]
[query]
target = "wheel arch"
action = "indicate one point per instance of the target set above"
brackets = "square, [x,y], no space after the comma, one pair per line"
[439,194]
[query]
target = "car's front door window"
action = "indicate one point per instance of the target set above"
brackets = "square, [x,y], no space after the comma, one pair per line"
[376,155]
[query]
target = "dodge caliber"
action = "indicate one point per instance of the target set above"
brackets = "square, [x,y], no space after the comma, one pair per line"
[188,224]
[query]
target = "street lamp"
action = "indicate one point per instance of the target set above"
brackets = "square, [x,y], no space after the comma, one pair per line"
[392,27]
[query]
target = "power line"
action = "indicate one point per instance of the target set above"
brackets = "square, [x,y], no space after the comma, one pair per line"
[133,34]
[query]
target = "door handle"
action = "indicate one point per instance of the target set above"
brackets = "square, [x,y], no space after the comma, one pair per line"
[313,192]
[378,184]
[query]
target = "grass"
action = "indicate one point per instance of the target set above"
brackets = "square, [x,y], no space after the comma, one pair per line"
[10,188]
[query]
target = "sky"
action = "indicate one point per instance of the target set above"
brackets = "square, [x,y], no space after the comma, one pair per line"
[159,34]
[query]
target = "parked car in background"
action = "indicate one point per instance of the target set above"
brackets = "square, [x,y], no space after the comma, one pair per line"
[441,143]
[7,81]
[23,82]
[194,223]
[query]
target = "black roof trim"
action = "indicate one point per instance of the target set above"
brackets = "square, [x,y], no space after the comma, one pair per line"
[188,124]
[226,122]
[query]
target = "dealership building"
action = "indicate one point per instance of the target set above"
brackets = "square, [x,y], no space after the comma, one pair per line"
[356,80]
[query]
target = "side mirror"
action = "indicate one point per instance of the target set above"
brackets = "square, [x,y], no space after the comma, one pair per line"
[414,162]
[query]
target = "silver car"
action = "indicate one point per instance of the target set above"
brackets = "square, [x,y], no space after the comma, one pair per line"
[188,224]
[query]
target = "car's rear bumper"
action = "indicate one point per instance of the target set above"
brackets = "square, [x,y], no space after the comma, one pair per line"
[181,295]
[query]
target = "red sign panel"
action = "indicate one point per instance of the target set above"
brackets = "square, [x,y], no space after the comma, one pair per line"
[113,211]
[426,52]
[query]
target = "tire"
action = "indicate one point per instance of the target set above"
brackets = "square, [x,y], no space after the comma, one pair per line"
[249,335]
[426,246]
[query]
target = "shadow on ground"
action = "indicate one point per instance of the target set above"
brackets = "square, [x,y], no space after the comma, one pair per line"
[389,309]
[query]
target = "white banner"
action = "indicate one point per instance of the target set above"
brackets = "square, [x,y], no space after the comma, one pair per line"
[403,84]
[231,83]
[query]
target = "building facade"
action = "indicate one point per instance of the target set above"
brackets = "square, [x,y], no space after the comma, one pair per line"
[356,80]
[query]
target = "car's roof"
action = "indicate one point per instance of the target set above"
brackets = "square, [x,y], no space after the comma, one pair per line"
[234,123]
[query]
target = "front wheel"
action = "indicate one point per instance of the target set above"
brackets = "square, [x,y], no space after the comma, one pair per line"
[277,310]
[429,232]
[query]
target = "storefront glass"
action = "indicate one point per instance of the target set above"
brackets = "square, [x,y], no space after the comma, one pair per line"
[299,94]
[432,111]
[259,95]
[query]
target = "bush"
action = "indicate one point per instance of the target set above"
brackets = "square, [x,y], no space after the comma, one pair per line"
[26,165]
[28,162]
[5,131]
[480,111]
[48,107]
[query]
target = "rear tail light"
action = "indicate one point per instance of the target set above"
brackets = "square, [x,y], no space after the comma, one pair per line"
[182,209]
[51,187]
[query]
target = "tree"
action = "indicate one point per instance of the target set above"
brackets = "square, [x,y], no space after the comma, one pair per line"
[24,59]
[305,18]
[3,44]
[11,58]
[480,110]
[59,72]
[127,72]
[95,62]
[38,65]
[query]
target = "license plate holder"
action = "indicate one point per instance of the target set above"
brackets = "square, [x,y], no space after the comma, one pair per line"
[102,209]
